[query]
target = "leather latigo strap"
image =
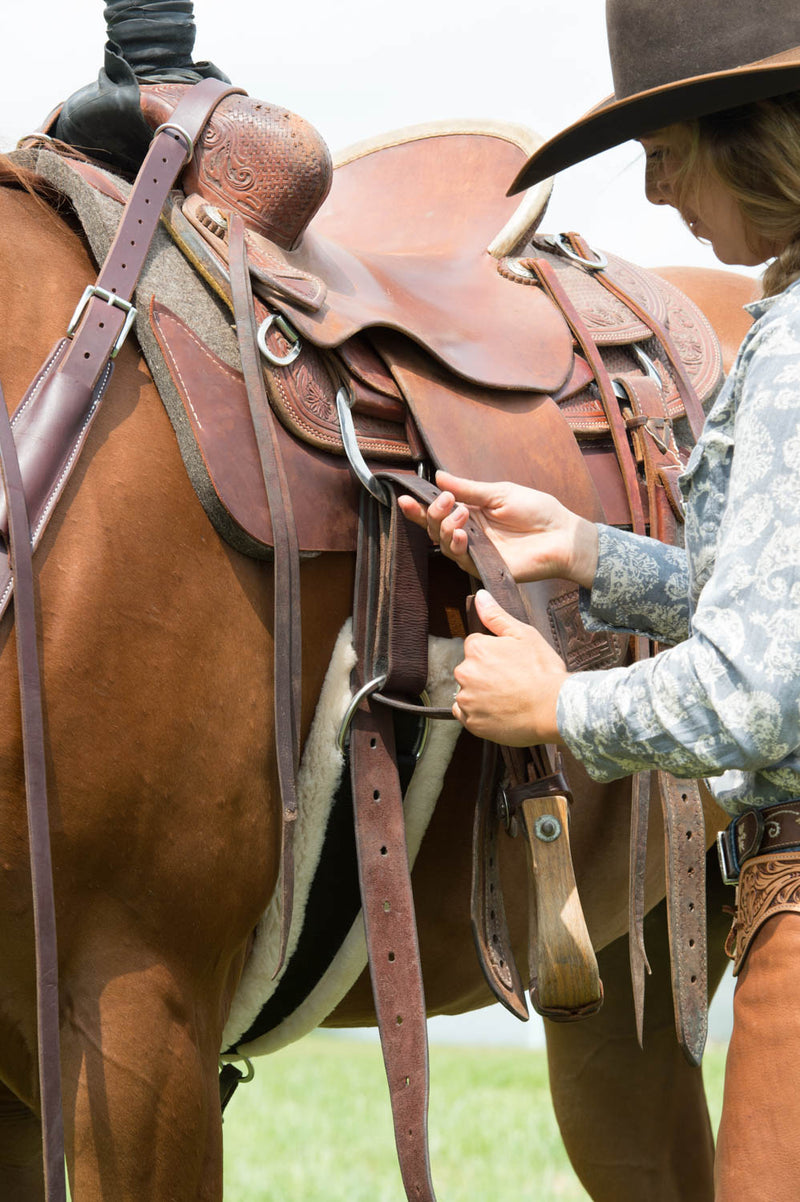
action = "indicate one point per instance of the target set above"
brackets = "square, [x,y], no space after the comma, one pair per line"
[692,407]
[286,632]
[52,421]
[651,436]
[489,923]
[390,588]
[684,830]
[551,284]
[562,966]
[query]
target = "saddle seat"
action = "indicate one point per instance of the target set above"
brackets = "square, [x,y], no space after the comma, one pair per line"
[408,240]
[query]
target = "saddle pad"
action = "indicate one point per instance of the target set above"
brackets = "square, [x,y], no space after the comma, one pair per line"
[208,407]
[246,1034]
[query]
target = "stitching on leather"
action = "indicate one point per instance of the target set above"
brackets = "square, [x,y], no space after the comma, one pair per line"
[205,352]
[39,380]
[53,495]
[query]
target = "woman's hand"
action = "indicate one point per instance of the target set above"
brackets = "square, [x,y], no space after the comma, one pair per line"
[509,681]
[537,536]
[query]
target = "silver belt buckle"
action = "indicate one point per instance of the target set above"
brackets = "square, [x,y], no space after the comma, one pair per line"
[728,860]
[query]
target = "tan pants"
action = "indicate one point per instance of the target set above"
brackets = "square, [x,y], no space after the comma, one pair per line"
[758,1147]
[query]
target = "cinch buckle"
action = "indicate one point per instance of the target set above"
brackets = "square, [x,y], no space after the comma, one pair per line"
[116,302]
[729,865]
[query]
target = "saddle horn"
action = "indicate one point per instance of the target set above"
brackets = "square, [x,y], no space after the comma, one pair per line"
[267,164]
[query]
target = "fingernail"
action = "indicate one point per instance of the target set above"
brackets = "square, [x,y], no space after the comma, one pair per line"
[484,596]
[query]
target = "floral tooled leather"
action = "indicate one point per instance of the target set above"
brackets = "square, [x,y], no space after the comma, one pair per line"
[768,885]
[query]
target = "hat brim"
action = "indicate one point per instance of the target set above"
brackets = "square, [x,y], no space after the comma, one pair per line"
[615,121]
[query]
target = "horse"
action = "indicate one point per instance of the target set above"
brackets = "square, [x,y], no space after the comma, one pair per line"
[156,657]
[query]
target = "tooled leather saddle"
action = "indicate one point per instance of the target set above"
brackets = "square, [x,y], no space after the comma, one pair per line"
[396,315]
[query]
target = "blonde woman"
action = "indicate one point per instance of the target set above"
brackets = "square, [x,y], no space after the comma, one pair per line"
[720,86]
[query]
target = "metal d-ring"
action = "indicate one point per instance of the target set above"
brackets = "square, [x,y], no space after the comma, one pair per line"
[366,690]
[650,369]
[518,268]
[353,452]
[288,332]
[561,243]
[422,738]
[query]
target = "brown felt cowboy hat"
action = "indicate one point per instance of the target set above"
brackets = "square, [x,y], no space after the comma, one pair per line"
[673,60]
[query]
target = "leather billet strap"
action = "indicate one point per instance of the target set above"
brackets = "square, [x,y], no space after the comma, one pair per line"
[388,565]
[489,923]
[287,634]
[44,916]
[651,432]
[52,421]
[651,435]
[691,404]
[548,278]
[684,831]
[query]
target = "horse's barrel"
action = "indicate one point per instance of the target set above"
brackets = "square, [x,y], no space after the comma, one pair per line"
[268,164]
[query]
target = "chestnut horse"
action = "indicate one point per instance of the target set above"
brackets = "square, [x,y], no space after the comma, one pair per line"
[156,651]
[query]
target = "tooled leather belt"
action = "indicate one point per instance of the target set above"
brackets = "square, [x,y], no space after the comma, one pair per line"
[758,832]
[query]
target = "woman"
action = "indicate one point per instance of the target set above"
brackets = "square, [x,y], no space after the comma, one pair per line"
[721,85]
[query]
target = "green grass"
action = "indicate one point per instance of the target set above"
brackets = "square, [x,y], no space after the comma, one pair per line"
[315,1126]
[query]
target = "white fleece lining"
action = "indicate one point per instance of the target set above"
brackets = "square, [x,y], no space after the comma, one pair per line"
[318,779]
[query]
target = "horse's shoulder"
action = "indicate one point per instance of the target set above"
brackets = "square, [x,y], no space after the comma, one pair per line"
[36,234]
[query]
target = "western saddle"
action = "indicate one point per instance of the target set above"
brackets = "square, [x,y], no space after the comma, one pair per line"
[386,328]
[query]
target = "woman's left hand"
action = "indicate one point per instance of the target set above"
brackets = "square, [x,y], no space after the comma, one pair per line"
[509,681]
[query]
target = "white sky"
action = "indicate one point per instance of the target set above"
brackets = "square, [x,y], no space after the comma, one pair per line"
[356,68]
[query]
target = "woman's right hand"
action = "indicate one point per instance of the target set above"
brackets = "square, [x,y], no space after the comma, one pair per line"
[537,536]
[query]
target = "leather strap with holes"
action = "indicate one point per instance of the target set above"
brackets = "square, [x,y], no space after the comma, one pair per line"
[684,831]
[101,323]
[286,630]
[384,876]
[53,419]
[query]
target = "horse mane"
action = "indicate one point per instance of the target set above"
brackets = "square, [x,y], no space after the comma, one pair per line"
[15,175]
[47,197]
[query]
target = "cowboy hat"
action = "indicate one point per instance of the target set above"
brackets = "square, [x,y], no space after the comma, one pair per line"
[673,60]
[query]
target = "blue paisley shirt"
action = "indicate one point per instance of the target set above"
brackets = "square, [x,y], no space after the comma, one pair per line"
[723,700]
